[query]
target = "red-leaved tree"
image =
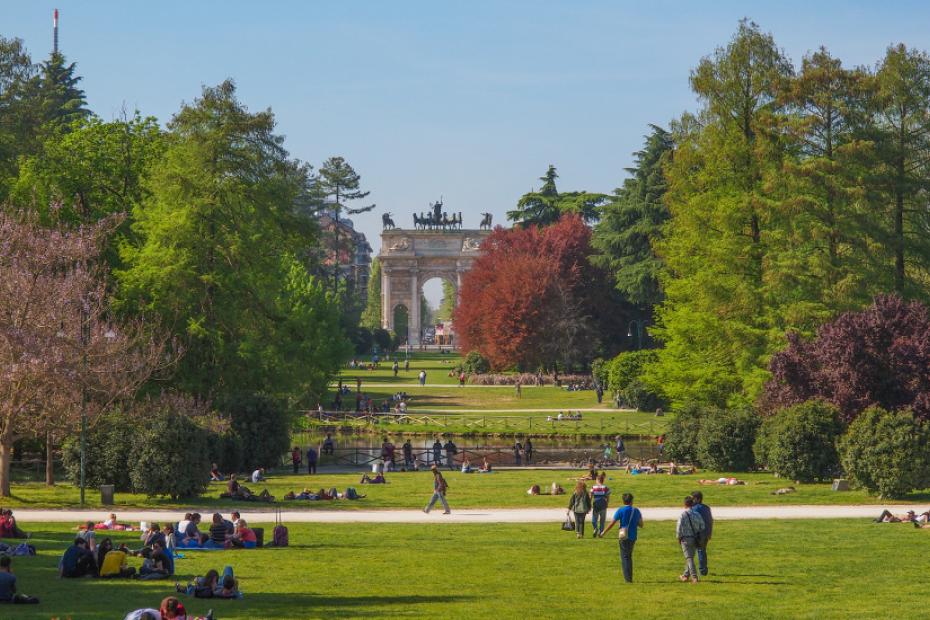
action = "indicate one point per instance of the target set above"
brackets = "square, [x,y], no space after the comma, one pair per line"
[531,299]
[61,353]
[878,356]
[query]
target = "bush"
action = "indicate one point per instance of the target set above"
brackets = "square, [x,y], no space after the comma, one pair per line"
[681,438]
[384,340]
[886,453]
[475,364]
[726,440]
[362,340]
[262,429]
[107,455]
[799,443]
[170,456]
[626,367]
[640,397]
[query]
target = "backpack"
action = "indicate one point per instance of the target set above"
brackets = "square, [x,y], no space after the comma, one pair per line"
[351,493]
[279,536]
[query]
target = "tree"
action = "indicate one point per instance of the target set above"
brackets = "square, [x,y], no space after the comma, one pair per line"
[371,317]
[714,321]
[631,223]
[338,184]
[63,352]
[879,356]
[19,116]
[447,304]
[62,101]
[215,257]
[799,443]
[545,207]
[531,299]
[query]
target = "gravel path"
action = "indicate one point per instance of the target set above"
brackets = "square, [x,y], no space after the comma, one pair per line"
[469,515]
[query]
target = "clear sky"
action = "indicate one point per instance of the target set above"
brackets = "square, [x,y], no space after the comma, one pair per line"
[465,100]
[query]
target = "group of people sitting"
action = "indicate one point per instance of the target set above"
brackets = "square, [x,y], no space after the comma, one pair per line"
[86,558]
[234,490]
[554,489]
[212,585]
[323,494]
[579,386]
[8,527]
[563,416]
[222,533]
[170,609]
[485,467]
[671,469]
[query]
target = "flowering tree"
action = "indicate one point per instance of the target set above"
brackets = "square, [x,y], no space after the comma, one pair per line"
[60,352]
[879,356]
[530,298]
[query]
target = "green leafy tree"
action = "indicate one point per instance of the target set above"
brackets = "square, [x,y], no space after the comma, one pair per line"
[19,109]
[371,317]
[447,304]
[214,257]
[631,222]
[799,443]
[713,321]
[546,206]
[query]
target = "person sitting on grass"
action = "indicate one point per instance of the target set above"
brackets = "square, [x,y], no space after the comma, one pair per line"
[215,475]
[485,466]
[258,475]
[218,533]
[8,527]
[8,585]
[172,609]
[193,537]
[89,536]
[77,561]
[157,564]
[150,536]
[378,479]
[113,562]
[244,536]
[466,466]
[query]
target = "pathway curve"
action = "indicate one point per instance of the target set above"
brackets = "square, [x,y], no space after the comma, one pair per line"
[469,515]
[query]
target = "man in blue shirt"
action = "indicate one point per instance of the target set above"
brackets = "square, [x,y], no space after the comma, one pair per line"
[8,585]
[77,560]
[704,511]
[630,519]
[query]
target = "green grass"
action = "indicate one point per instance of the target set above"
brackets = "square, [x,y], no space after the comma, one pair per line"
[483,397]
[437,369]
[759,569]
[502,489]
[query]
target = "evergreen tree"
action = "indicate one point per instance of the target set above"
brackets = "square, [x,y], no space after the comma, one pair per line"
[631,223]
[447,305]
[19,117]
[371,317]
[545,207]
[338,183]
[62,101]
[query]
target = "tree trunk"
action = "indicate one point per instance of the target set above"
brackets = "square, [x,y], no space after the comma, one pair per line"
[49,460]
[6,459]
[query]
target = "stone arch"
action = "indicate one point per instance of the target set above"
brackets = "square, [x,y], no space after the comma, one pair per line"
[411,257]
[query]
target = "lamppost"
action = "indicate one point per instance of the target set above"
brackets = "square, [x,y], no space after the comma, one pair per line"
[638,325]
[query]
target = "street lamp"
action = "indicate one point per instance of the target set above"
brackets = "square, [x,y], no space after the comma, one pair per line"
[638,325]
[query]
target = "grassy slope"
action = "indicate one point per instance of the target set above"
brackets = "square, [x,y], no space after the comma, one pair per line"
[796,569]
[502,489]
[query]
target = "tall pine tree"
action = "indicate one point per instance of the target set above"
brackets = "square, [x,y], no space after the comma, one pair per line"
[545,207]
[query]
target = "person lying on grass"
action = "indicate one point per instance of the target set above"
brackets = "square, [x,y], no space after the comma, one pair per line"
[909,517]
[213,585]
[378,479]
[723,481]
[8,592]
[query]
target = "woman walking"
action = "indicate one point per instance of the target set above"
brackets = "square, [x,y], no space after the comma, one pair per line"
[439,492]
[580,504]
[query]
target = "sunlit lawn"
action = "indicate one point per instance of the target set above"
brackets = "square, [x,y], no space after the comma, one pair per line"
[759,569]
[502,489]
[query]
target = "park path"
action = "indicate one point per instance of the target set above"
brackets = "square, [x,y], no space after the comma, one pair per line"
[467,515]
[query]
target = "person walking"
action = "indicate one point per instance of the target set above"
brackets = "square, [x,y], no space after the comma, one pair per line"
[440,486]
[408,454]
[600,497]
[406,365]
[689,529]
[704,510]
[620,448]
[461,378]
[395,367]
[437,452]
[580,504]
[311,460]
[630,520]
[518,390]
[295,458]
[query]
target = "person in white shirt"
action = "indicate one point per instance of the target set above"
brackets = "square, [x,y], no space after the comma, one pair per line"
[258,475]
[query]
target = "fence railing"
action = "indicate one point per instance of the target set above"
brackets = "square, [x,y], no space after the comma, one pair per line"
[592,423]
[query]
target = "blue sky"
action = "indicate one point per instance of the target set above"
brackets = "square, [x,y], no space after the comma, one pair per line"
[466,100]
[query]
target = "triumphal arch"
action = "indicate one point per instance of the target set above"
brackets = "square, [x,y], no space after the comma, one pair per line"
[438,246]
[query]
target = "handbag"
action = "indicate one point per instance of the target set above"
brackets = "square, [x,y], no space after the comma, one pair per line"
[568,524]
[623,533]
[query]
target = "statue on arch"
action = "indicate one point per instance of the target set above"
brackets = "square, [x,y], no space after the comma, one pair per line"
[386,222]
[485,222]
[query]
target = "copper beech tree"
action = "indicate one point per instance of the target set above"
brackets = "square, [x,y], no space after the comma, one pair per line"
[61,353]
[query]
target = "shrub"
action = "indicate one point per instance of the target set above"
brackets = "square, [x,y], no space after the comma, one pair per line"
[640,397]
[475,364]
[362,340]
[799,443]
[726,440]
[681,438]
[170,456]
[262,428]
[626,367]
[383,339]
[886,453]
[107,455]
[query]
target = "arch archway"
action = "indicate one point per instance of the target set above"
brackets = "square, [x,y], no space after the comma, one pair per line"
[411,257]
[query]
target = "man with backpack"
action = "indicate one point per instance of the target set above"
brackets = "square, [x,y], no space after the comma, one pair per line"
[630,520]
[600,495]
[440,486]
[704,510]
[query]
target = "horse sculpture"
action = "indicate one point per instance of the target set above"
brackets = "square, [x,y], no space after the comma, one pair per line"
[485,222]
[386,222]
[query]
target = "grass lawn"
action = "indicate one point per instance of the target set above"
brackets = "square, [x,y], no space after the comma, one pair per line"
[502,489]
[490,397]
[775,569]
[437,369]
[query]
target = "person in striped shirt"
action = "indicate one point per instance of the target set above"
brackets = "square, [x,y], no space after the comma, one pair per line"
[600,496]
